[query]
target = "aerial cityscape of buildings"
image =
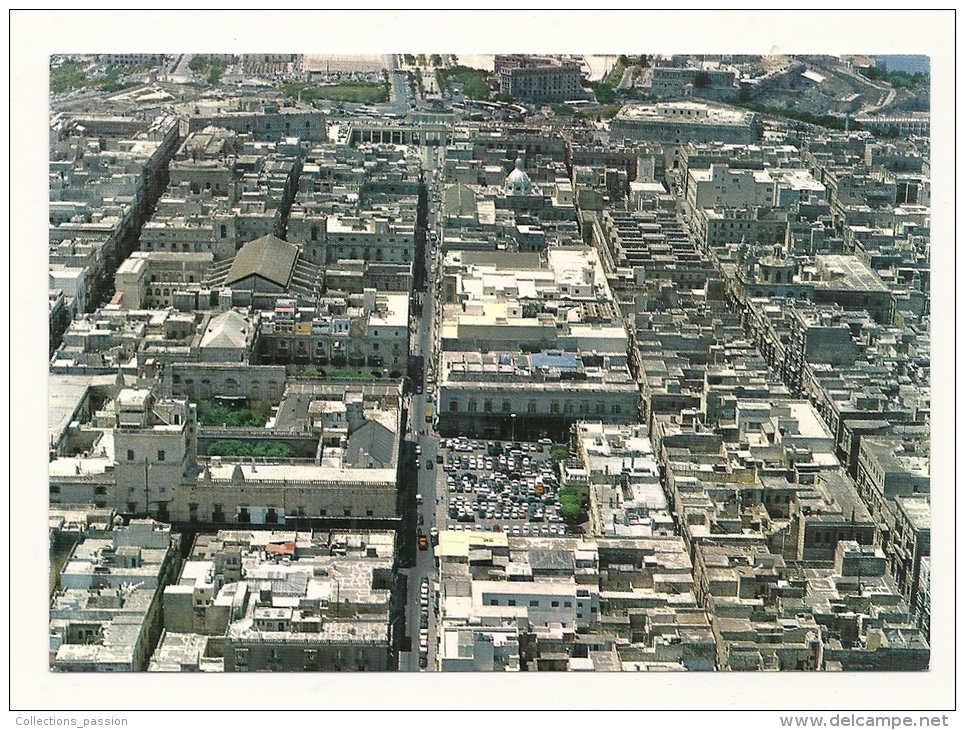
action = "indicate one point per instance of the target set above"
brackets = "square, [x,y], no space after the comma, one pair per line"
[549,363]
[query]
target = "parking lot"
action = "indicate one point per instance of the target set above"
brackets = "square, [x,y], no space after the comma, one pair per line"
[500,486]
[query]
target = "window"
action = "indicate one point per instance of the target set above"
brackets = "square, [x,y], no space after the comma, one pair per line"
[493,601]
[453,406]
[130,454]
[471,406]
[534,604]
[555,604]
[100,490]
[531,407]
[160,455]
[567,604]
[488,405]
[511,602]
[54,489]
[347,511]
[506,406]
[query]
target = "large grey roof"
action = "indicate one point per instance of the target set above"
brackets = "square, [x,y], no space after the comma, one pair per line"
[268,257]
[375,440]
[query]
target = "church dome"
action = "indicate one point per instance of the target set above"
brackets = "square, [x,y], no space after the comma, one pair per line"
[518,182]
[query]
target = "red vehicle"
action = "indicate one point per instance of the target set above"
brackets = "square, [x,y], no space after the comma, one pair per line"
[423,543]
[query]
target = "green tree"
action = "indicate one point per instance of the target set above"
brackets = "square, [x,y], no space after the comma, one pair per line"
[271,449]
[559,453]
[571,508]
[604,92]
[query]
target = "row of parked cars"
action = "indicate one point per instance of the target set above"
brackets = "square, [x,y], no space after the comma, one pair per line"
[493,448]
[424,623]
[515,530]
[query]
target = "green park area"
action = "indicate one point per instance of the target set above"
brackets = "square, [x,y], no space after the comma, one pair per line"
[473,82]
[71,75]
[262,449]
[353,92]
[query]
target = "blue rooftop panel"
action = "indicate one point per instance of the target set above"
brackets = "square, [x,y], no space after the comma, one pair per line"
[554,359]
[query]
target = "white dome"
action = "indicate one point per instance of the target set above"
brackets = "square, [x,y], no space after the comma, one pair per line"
[518,182]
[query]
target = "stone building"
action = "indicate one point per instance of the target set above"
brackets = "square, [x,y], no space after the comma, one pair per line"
[105,615]
[282,601]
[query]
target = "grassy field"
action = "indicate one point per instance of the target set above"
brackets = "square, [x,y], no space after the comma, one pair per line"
[356,92]
[606,111]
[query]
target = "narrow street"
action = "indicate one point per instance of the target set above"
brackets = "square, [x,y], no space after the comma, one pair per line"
[429,513]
